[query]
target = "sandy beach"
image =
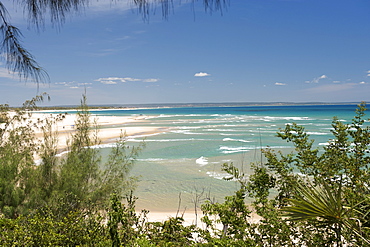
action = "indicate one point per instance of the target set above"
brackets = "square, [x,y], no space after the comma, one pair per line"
[190,218]
[110,128]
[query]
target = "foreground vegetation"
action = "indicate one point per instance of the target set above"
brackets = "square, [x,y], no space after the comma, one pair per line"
[309,197]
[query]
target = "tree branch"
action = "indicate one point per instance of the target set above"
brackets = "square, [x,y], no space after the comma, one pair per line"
[17,58]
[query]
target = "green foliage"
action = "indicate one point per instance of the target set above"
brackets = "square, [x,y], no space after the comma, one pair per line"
[43,228]
[170,232]
[335,209]
[45,199]
[81,175]
[318,202]
[79,178]
[125,226]
[309,197]
[79,169]
[128,228]
[233,214]
[17,148]
[339,174]
[323,207]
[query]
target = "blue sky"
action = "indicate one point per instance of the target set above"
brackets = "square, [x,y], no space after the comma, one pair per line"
[256,51]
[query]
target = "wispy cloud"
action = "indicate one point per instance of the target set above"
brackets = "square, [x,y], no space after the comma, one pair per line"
[104,52]
[84,83]
[108,82]
[149,80]
[201,74]
[317,79]
[279,84]
[116,80]
[66,84]
[5,73]
[73,84]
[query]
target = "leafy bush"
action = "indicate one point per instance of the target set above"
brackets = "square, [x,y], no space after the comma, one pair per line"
[309,197]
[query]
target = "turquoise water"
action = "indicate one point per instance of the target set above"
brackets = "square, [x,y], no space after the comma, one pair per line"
[186,159]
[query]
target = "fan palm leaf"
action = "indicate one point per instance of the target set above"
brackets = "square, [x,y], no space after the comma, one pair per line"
[323,204]
[320,202]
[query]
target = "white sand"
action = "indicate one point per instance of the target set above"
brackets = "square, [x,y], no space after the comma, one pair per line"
[108,132]
[190,218]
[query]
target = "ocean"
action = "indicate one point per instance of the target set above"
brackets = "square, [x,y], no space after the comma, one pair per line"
[184,162]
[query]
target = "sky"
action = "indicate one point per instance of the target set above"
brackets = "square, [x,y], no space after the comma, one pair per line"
[254,51]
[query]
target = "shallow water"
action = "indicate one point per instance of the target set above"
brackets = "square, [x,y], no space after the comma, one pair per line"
[186,160]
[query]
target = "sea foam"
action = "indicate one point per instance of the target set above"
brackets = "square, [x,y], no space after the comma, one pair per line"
[202,161]
[235,140]
[230,150]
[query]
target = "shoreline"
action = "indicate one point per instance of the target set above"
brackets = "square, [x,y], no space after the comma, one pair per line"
[109,128]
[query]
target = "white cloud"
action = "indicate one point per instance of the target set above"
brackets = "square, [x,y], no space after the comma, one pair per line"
[279,84]
[317,79]
[116,80]
[73,84]
[201,74]
[362,82]
[126,79]
[108,82]
[66,84]
[150,80]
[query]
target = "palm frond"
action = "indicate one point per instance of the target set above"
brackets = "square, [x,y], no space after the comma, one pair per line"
[323,204]
[316,203]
